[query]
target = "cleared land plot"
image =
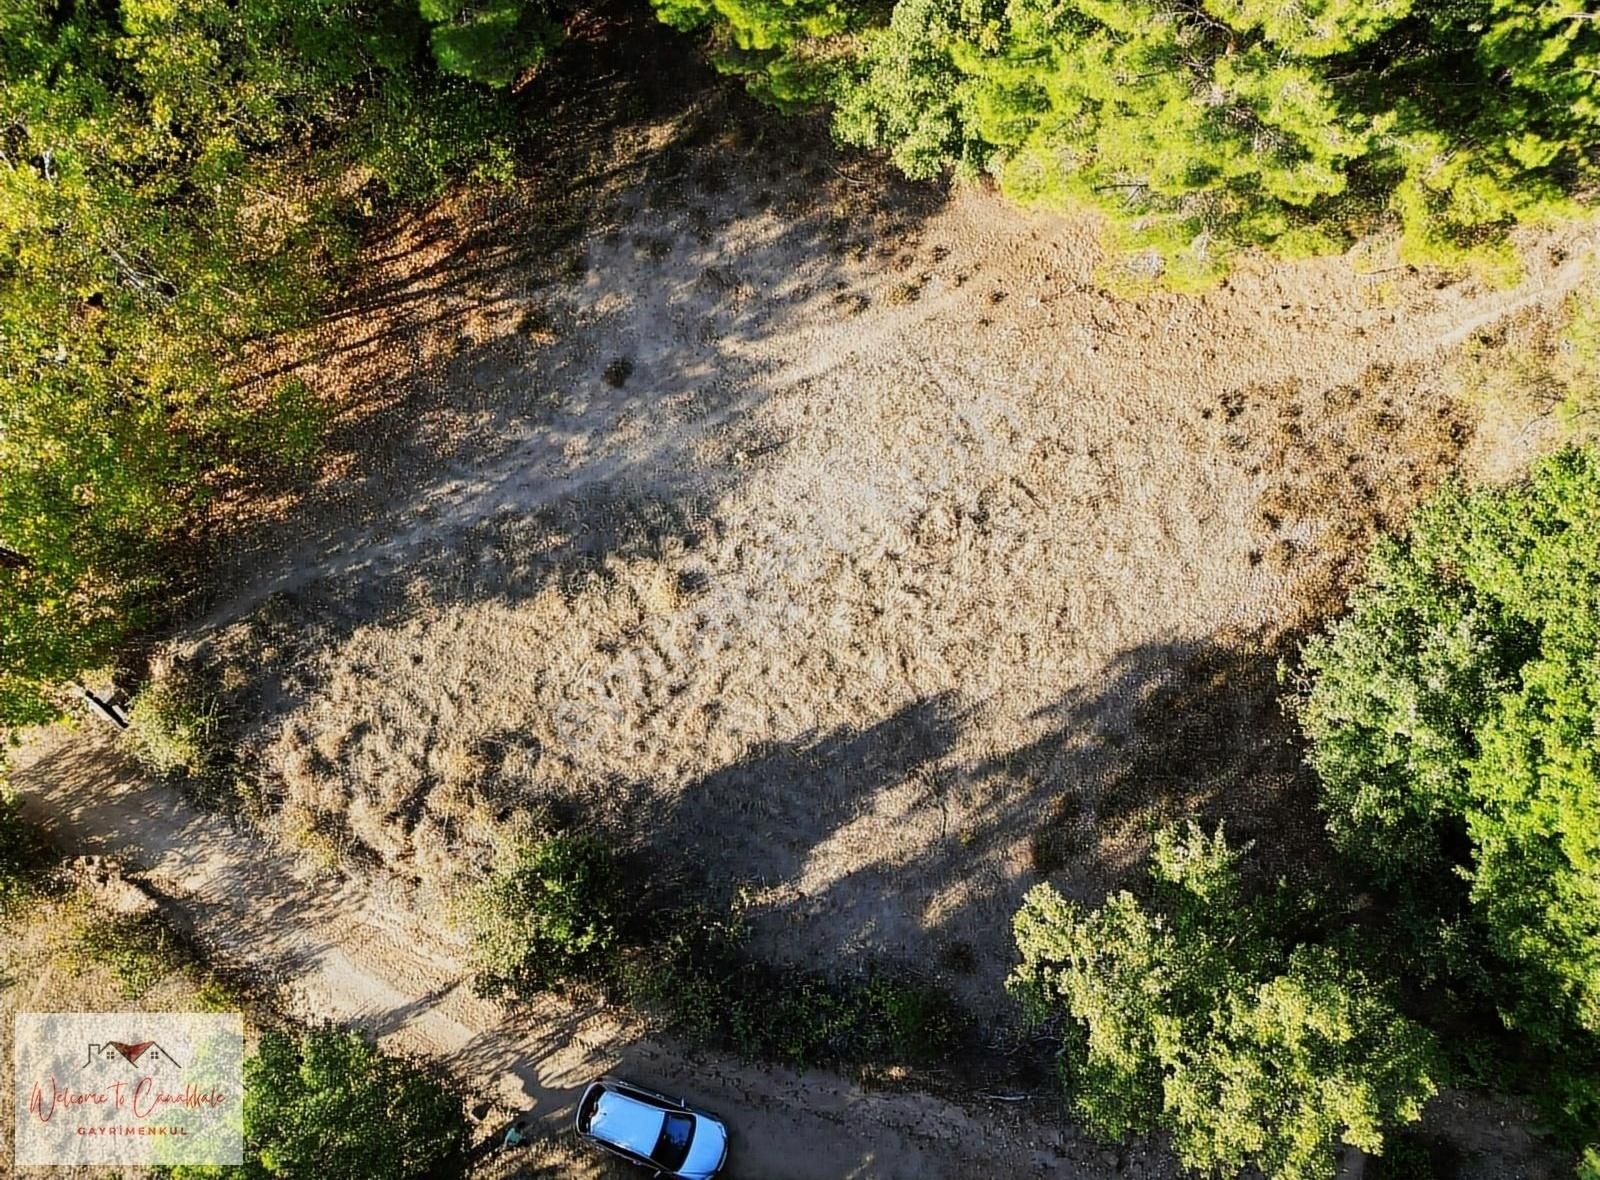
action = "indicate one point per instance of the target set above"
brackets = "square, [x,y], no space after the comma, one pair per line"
[848,546]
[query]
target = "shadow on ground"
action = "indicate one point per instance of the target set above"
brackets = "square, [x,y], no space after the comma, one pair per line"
[487,444]
[1176,731]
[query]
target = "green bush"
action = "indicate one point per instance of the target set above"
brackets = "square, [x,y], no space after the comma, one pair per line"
[1589,1165]
[175,728]
[138,950]
[1194,1014]
[24,856]
[1453,722]
[553,914]
[328,1104]
[698,974]
[489,41]
[550,912]
[288,429]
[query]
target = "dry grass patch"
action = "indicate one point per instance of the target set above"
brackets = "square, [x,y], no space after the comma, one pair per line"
[1209,741]
[868,607]
[1336,467]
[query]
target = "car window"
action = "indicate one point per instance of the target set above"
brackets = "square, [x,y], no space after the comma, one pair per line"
[673,1146]
[591,1101]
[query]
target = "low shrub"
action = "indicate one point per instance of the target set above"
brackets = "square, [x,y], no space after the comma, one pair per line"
[24,855]
[138,950]
[175,729]
[701,978]
[553,914]
[550,912]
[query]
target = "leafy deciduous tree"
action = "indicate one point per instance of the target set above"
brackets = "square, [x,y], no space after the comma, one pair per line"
[1195,1014]
[1454,719]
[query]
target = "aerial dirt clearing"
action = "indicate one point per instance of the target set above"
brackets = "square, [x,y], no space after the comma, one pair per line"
[851,548]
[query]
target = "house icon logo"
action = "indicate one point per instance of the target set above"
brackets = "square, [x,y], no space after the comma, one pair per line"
[146,1056]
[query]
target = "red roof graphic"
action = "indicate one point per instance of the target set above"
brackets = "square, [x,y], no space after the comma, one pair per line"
[131,1052]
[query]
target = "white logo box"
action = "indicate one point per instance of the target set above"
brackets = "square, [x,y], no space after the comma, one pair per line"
[132,1088]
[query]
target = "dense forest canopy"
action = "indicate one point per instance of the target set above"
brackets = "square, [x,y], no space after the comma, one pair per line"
[1201,128]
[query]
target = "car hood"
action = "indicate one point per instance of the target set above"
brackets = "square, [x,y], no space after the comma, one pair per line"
[707,1149]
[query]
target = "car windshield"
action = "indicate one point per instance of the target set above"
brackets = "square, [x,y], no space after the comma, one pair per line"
[591,1103]
[673,1146]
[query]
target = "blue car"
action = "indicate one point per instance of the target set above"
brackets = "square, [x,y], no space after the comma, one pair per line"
[651,1130]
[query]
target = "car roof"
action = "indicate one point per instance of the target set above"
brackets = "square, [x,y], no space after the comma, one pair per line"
[627,1122]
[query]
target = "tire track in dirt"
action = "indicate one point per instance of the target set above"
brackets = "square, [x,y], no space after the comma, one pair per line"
[363,955]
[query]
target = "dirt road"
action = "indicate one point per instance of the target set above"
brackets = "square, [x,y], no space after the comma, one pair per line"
[356,953]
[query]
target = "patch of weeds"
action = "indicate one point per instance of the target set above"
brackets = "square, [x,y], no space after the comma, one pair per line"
[178,729]
[25,857]
[903,293]
[1542,363]
[322,836]
[138,950]
[554,913]
[1336,467]
[701,979]
[289,429]
[173,732]
[218,993]
[551,912]
[617,372]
